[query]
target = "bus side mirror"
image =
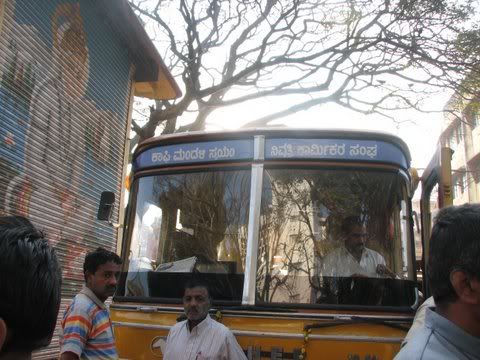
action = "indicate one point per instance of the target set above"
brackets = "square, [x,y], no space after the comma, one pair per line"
[106,206]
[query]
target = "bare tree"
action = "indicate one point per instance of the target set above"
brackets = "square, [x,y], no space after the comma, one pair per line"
[371,56]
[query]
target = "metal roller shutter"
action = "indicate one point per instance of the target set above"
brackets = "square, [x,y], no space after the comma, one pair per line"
[65,86]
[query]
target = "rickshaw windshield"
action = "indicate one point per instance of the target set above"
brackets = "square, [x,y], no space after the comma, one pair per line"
[188,223]
[334,237]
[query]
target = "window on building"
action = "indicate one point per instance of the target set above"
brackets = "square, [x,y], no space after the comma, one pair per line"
[452,140]
[475,118]
[460,183]
[476,171]
[458,133]
[455,136]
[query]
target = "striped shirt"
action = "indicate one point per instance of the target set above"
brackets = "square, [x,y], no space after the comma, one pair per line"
[208,340]
[86,328]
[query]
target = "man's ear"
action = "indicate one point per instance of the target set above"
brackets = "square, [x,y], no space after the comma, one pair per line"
[3,333]
[467,288]
[86,275]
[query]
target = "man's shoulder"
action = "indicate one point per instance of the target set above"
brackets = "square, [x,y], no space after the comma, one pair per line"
[335,254]
[82,304]
[423,346]
[83,300]
[371,251]
[217,324]
[415,348]
[177,327]
[375,254]
[219,328]
[214,327]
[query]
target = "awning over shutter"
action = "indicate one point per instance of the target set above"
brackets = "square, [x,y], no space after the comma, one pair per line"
[159,89]
[152,78]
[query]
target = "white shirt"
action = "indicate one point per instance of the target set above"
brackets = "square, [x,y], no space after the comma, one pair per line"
[419,320]
[341,263]
[208,340]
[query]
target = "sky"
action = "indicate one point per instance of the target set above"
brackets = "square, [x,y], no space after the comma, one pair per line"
[420,131]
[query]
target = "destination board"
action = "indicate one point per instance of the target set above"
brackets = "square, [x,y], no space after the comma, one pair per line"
[211,151]
[275,149]
[338,149]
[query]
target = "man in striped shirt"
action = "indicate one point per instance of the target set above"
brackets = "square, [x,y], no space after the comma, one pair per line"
[200,337]
[86,328]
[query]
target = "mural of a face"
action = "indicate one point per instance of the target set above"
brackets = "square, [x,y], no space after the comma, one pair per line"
[73,62]
[67,138]
[70,43]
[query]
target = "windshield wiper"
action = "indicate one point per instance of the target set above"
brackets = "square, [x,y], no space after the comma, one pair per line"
[349,320]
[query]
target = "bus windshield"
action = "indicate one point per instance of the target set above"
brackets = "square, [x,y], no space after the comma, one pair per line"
[334,237]
[197,222]
[189,222]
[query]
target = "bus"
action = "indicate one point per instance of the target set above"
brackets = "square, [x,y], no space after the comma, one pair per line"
[437,192]
[256,214]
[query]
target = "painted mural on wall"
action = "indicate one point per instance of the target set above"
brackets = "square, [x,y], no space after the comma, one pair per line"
[62,121]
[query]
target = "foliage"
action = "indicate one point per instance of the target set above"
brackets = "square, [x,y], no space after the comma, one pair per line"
[369,56]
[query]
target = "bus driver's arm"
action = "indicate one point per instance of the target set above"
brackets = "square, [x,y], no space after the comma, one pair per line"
[69,356]
[384,271]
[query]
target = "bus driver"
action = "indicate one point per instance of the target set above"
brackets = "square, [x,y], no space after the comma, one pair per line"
[354,259]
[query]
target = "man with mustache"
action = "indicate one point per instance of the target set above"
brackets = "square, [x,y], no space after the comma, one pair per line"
[200,337]
[451,329]
[355,259]
[86,328]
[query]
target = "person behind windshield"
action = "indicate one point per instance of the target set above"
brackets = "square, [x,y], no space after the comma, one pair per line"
[354,258]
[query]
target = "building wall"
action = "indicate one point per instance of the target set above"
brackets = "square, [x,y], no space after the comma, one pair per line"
[462,134]
[65,89]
